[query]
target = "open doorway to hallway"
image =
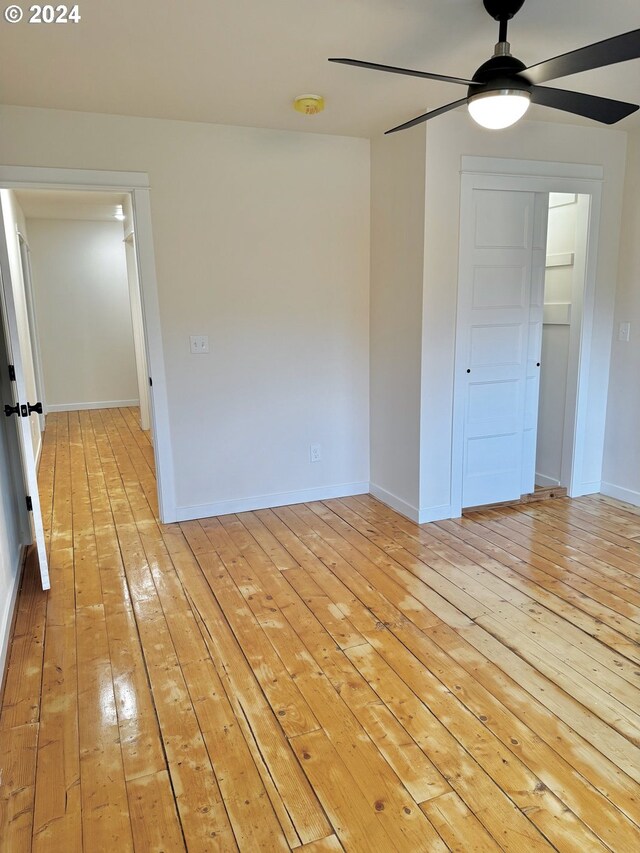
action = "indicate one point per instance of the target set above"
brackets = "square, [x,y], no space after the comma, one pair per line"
[83,300]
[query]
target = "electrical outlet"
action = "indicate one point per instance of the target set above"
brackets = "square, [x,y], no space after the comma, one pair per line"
[624,332]
[199,344]
[315,452]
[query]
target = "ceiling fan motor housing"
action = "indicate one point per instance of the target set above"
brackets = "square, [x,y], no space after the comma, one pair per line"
[498,74]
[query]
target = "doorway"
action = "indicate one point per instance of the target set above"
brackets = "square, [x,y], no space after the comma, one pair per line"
[82,299]
[500,322]
[135,187]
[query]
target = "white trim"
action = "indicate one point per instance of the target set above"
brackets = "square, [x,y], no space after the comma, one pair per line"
[546,482]
[581,489]
[321,493]
[627,495]
[100,404]
[502,166]
[542,176]
[436,513]
[68,179]
[7,616]
[136,183]
[408,510]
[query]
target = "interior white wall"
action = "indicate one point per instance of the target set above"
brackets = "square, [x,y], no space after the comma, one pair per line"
[397,281]
[621,475]
[81,296]
[14,221]
[448,139]
[135,302]
[262,243]
[561,240]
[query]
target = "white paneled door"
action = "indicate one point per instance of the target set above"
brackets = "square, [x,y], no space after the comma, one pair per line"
[494,324]
[21,414]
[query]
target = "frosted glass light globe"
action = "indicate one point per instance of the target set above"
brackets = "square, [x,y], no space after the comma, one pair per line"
[500,109]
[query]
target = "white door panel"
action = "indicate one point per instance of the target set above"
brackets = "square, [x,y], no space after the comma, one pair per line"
[494,322]
[22,419]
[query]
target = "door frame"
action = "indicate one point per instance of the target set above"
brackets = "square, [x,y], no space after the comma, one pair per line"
[543,177]
[137,185]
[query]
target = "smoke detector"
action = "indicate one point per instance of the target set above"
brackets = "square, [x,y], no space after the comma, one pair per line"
[309,105]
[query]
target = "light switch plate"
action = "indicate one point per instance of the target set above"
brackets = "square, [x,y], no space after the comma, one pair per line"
[199,344]
[624,332]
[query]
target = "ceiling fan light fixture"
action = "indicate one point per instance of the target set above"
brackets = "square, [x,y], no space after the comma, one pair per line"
[500,108]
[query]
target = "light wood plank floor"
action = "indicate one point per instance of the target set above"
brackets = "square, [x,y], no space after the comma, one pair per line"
[322,677]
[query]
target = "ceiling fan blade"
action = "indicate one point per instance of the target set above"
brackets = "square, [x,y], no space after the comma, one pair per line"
[604,110]
[608,52]
[407,71]
[427,116]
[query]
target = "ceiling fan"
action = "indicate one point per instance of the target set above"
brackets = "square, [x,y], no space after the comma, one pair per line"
[500,91]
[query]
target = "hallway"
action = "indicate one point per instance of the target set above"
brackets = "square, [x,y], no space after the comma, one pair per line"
[323,677]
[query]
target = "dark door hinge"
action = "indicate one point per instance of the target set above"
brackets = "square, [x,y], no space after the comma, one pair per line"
[12,373]
[29,503]
[150,381]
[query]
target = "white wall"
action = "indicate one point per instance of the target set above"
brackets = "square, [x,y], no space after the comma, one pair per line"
[81,295]
[621,473]
[448,139]
[13,222]
[397,281]
[561,240]
[262,243]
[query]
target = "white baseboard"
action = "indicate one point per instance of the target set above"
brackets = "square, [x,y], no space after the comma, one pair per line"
[400,505]
[546,482]
[101,404]
[321,493]
[628,495]
[437,513]
[6,618]
[585,489]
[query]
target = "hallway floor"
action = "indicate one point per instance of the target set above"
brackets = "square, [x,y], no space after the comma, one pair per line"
[317,677]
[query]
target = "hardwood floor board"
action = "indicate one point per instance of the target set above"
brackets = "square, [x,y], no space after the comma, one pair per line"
[518,574]
[253,818]
[594,531]
[551,629]
[533,752]
[154,821]
[432,571]
[585,548]
[105,817]
[522,701]
[280,771]
[561,704]
[327,676]
[354,546]
[411,766]
[456,824]
[549,582]
[585,564]
[494,808]
[22,687]
[17,777]
[553,561]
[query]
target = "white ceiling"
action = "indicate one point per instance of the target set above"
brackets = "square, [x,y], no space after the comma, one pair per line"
[243,61]
[69,204]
